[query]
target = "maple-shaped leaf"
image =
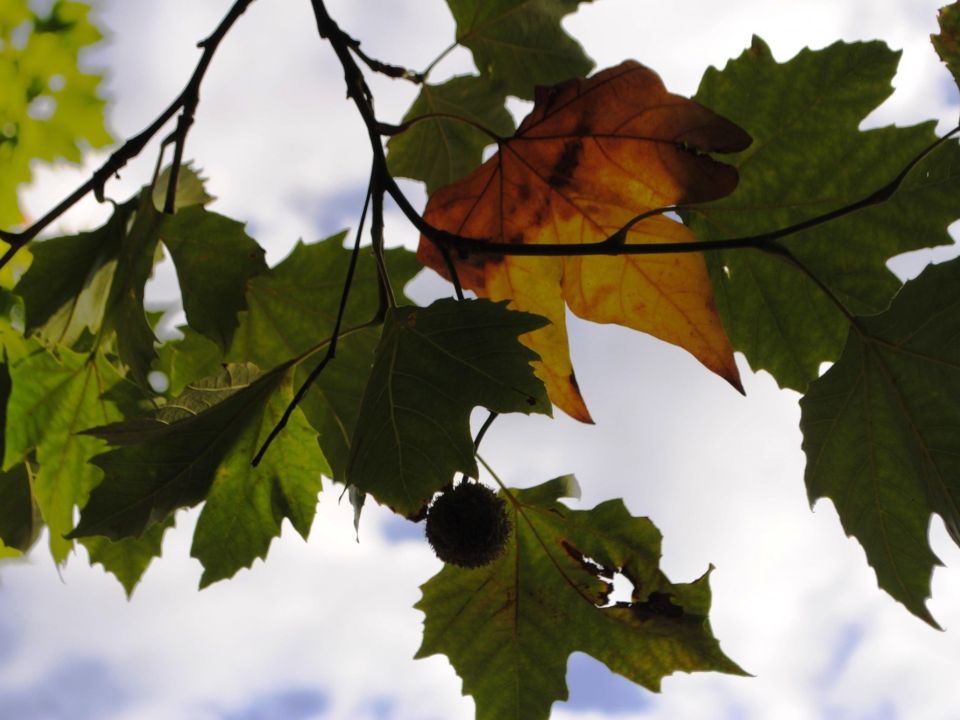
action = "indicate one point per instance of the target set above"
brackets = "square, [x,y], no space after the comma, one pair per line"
[445,147]
[591,156]
[167,462]
[246,505]
[191,188]
[94,281]
[810,157]
[293,307]
[128,559]
[509,627]
[520,43]
[880,430]
[54,398]
[433,366]
[947,41]
[214,259]
[49,108]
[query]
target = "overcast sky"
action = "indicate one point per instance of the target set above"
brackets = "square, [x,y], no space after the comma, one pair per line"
[325,629]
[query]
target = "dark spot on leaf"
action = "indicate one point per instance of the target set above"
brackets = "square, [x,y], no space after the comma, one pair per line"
[531,401]
[523,193]
[564,168]
[573,381]
[657,605]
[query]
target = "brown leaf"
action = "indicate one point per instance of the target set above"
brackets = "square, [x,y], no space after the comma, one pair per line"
[591,156]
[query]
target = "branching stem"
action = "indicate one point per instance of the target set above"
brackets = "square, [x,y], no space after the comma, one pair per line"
[185,102]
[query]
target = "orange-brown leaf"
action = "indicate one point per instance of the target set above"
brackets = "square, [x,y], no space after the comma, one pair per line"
[591,156]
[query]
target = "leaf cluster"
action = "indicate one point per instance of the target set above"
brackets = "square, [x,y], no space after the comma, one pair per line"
[755,217]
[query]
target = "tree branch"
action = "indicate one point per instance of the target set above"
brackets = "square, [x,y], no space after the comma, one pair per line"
[186,101]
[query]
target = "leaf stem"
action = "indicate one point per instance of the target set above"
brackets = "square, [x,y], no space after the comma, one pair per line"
[335,336]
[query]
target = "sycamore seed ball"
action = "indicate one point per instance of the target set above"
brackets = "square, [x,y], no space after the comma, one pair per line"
[468,525]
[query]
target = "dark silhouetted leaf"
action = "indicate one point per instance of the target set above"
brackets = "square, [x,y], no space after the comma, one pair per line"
[214,258]
[432,367]
[881,430]
[246,504]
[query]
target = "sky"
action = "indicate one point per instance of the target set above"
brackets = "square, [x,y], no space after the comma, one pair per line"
[325,630]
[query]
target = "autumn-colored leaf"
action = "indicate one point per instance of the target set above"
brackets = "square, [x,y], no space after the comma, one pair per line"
[591,156]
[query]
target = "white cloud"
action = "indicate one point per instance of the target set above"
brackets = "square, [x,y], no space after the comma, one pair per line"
[719,474]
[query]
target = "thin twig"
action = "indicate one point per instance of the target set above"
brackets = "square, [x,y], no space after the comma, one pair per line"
[464,246]
[135,145]
[334,338]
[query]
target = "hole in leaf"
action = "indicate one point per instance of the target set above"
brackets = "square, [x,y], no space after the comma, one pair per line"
[57,82]
[42,107]
[159,381]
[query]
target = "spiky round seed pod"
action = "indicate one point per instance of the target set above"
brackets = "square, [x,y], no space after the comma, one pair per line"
[468,525]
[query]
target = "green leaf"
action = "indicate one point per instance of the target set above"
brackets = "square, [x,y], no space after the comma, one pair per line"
[129,558]
[188,359]
[880,432]
[191,189]
[54,398]
[95,281]
[246,505]
[947,41]
[49,108]
[65,290]
[508,627]
[170,461]
[125,312]
[293,306]
[808,157]
[432,367]
[214,258]
[20,520]
[520,44]
[440,150]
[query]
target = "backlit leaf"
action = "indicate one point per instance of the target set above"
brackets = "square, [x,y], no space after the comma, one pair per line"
[432,367]
[592,155]
[49,109]
[881,430]
[129,558]
[214,258]
[293,306]
[947,41]
[170,461]
[509,627]
[809,157]
[246,505]
[55,397]
[520,43]
[440,150]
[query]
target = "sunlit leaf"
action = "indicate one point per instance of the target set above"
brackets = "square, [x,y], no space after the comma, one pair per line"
[809,157]
[129,558]
[591,156]
[509,627]
[442,149]
[520,43]
[55,397]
